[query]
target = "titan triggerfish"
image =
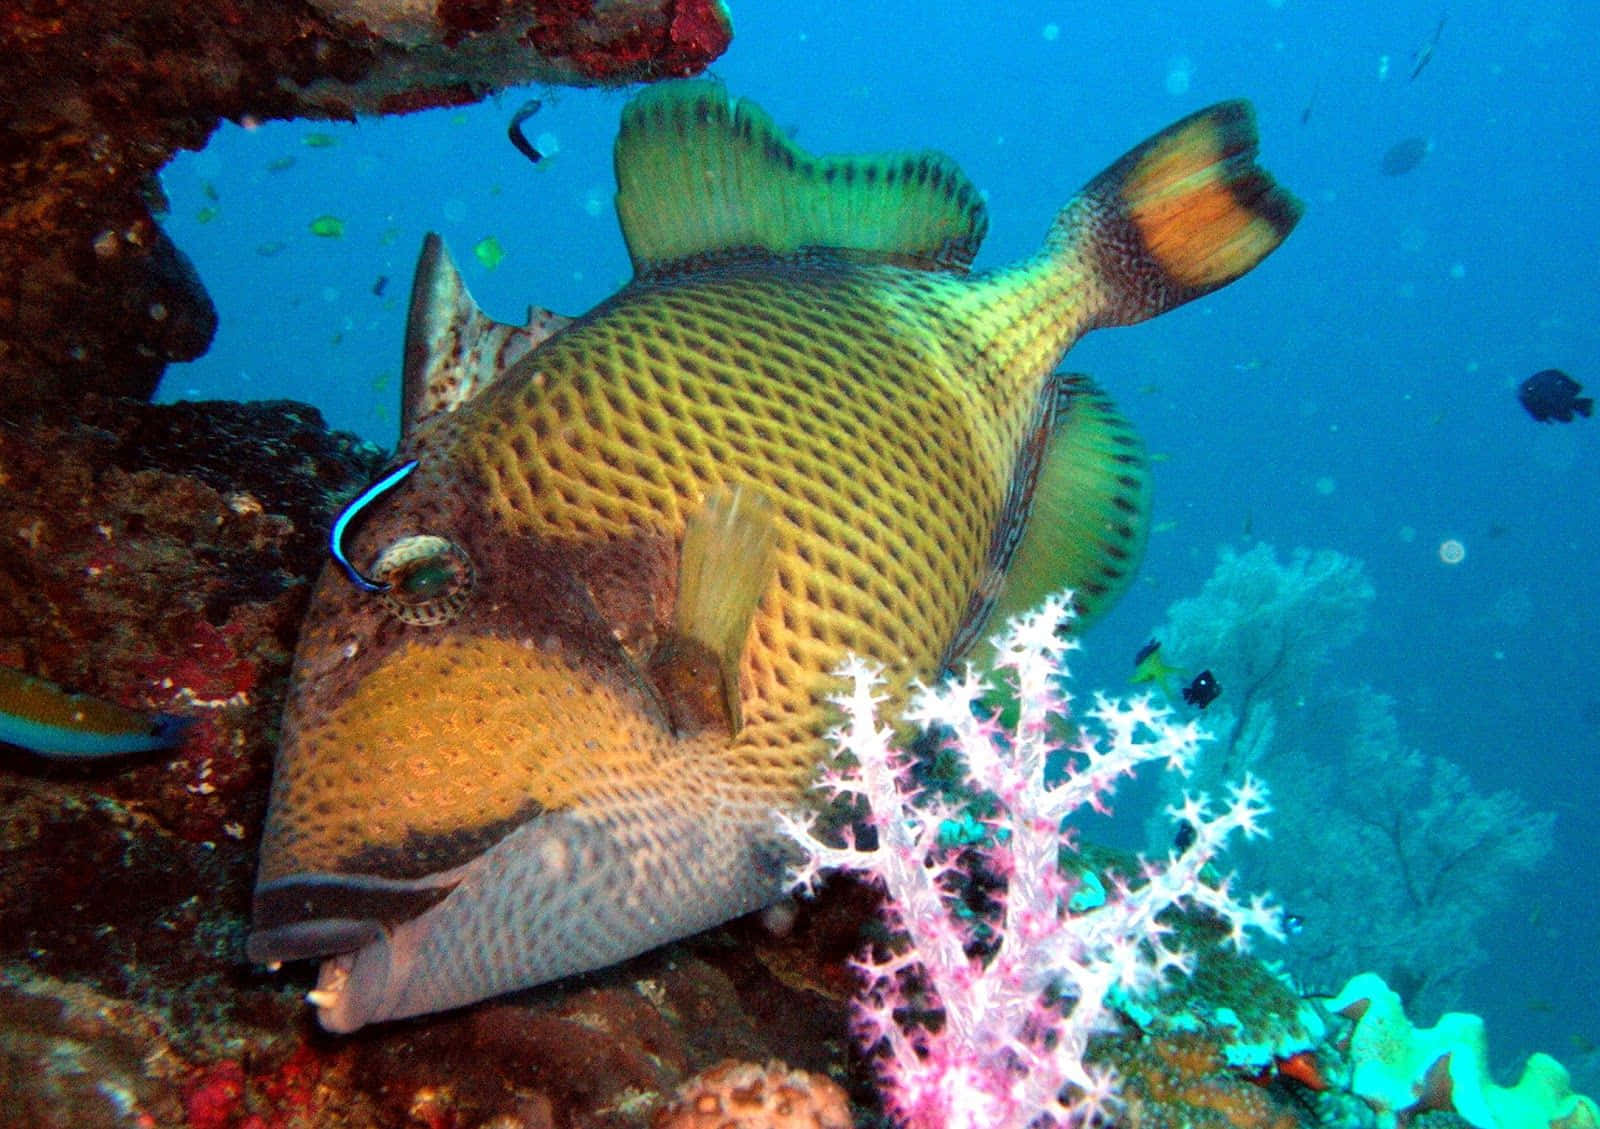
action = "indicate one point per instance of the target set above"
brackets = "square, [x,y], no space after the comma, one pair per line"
[574,649]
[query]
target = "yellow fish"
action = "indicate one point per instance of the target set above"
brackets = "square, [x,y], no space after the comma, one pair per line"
[573,651]
[39,715]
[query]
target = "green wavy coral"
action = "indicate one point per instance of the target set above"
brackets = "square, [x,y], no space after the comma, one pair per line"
[1398,1068]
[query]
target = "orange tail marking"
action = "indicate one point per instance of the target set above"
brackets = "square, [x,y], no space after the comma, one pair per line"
[1206,212]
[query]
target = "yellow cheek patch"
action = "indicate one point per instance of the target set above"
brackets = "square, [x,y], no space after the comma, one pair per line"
[452,736]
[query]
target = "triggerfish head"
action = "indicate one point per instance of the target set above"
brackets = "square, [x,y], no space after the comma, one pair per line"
[576,645]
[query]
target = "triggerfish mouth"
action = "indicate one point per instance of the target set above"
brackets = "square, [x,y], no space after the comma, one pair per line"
[575,647]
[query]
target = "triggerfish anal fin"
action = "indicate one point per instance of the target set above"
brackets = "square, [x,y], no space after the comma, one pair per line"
[1091,509]
[700,176]
[452,351]
[1087,518]
[729,549]
[41,716]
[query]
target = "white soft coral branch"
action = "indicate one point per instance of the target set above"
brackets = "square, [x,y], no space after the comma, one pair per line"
[1020,993]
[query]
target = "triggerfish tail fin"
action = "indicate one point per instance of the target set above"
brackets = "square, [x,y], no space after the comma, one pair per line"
[41,716]
[452,351]
[1182,214]
[702,177]
[728,556]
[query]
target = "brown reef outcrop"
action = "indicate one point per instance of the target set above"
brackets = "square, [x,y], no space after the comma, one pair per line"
[99,96]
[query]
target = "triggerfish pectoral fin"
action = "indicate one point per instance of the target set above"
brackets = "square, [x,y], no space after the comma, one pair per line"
[45,718]
[728,553]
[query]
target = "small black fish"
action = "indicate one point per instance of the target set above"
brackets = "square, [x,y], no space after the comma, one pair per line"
[520,139]
[1403,156]
[1551,395]
[1202,691]
[1185,836]
[1146,651]
[381,285]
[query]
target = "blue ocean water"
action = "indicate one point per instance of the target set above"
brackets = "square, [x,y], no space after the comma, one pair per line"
[1354,393]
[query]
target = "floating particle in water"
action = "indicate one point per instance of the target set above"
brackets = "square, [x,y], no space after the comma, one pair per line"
[280,164]
[206,215]
[329,227]
[1451,551]
[1326,485]
[1052,32]
[1180,73]
[1514,607]
[319,141]
[455,209]
[489,252]
[267,250]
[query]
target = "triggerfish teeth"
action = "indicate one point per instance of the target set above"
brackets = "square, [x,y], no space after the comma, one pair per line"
[588,652]
[45,718]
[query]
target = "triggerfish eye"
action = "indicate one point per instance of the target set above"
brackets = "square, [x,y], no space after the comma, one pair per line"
[425,579]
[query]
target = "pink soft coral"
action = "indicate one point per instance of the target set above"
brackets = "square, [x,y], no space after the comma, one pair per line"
[1014,995]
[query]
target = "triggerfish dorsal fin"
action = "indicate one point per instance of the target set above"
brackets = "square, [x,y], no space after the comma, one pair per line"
[1089,516]
[452,350]
[728,555]
[45,718]
[701,177]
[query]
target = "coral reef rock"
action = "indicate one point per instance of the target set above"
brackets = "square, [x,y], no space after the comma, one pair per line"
[742,1095]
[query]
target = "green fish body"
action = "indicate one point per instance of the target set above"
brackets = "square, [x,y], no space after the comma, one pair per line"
[579,653]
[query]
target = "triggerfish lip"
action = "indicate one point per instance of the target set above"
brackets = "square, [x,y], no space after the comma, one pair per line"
[305,916]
